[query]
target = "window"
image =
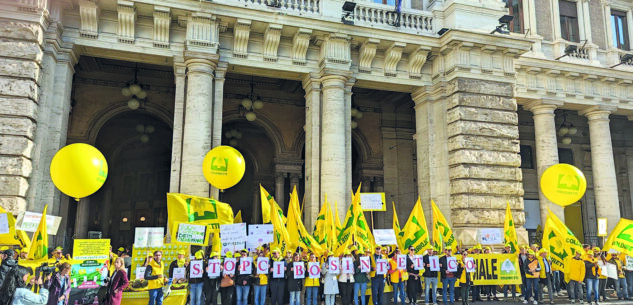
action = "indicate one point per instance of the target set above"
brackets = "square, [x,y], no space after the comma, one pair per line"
[619,30]
[568,20]
[565,155]
[526,156]
[515,8]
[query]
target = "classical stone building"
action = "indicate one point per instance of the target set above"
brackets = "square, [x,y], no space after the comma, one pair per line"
[320,95]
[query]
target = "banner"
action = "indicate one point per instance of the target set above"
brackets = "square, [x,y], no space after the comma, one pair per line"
[415,233]
[191,234]
[90,263]
[179,273]
[299,236]
[496,269]
[148,237]
[259,235]
[197,210]
[233,237]
[4,223]
[442,227]
[229,266]
[263,264]
[373,201]
[385,237]
[39,248]
[365,264]
[314,270]
[214,267]
[196,269]
[28,222]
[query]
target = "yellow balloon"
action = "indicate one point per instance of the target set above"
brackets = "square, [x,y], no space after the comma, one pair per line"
[223,167]
[563,184]
[78,170]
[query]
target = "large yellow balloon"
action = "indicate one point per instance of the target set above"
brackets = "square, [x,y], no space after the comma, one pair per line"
[223,167]
[563,184]
[79,170]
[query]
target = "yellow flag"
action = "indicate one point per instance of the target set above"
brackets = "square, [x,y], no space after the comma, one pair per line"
[39,249]
[509,231]
[415,232]
[621,238]
[331,226]
[560,242]
[396,226]
[442,227]
[337,221]
[321,231]
[238,217]
[355,228]
[183,208]
[265,201]
[297,232]
[280,236]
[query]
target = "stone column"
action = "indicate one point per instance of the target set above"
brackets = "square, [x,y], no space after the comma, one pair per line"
[82,220]
[348,136]
[546,148]
[179,120]
[294,183]
[218,104]
[197,126]
[629,22]
[556,20]
[603,165]
[607,22]
[629,166]
[280,182]
[334,120]
[312,87]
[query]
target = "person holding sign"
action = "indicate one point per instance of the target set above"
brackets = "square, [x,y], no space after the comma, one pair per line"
[465,277]
[312,281]
[295,281]
[243,277]
[260,278]
[431,266]
[414,284]
[377,275]
[212,278]
[330,283]
[361,277]
[227,284]
[277,278]
[346,278]
[154,276]
[179,262]
[195,271]
[448,272]
[398,275]
[532,275]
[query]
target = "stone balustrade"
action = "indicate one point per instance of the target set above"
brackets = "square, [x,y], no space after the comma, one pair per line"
[377,15]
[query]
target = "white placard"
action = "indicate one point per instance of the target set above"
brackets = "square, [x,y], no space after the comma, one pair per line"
[372,201]
[602,227]
[196,269]
[612,271]
[278,270]
[365,264]
[470,265]
[418,262]
[402,261]
[258,235]
[385,237]
[629,263]
[451,264]
[299,270]
[179,273]
[314,270]
[263,265]
[246,265]
[140,273]
[149,237]
[347,265]
[213,268]
[4,223]
[229,266]
[434,263]
[233,237]
[191,234]
[490,236]
[29,221]
[381,266]
[334,265]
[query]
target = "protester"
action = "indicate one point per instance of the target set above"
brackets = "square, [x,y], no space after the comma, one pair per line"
[591,276]
[242,281]
[507,249]
[179,262]
[227,283]
[211,283]
[532,275]
[448,278]
[522,259]
[155,278]
[628,275]
[330,282]
[294,283]
[195,284]
[277,285]
[260,283]
[545,276]
[430,277]
[465,278]
[602,278]
[7,264]
[377,280]
[576,276]
[620,283]
[360,280]
[312,284]
[476,289]
[59,285]
[414,284]
[398,278]
[490,290]
[118,282]
[14,290]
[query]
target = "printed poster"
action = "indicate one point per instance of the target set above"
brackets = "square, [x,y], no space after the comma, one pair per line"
[191,234]
[4,223]
[233,237]
[149,237]
[90,264]
[258,235]
[29,221]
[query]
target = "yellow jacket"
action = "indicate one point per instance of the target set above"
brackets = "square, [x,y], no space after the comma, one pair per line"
[396,275]
[156,270]
[465,277]
[576,270]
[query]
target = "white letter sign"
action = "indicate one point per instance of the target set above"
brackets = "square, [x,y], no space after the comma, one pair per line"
[299,270]
[246,265]
[402,261]
[214,268]
[195,269]
[451,263]
[434,263]
[381,266]
[418,262]
[278,270]
[334,265]
[229,266]
[365,264]
[262,265]
[347,265]
[470,265]
[314,270]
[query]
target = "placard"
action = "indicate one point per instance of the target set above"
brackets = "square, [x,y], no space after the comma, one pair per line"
[213,268]
[629,263]
[347,265]
[191,234]
[418,262]
[434,263]
[381,266]
[258,235]
[233,237]
[149,237]
[229,266]
[263,264]
[179,273]
[140,273]
[299,270]
[334,265]
[451,264]
[470,265]
[278,269]
[365,264]
[372,201]
[385,237]
[4,223]
[196,269]
[314,270]
[29,221]
[612,271]
[602,227]
[246,265]
[91,249]
[402,261]
[490,236]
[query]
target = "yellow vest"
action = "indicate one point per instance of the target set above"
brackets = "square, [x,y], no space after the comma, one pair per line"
[397,275]
[156,270]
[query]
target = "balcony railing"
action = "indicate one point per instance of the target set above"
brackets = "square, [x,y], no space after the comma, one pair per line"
[294,7]
[376,15]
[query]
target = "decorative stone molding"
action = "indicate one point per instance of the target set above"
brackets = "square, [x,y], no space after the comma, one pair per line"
[417,59]
[89,14]
[272,36]
[162,21]
[300,44]
[32,6]
[335,50]
[367,54]
[241,32]
[127,21]
[392,57]
[202,32]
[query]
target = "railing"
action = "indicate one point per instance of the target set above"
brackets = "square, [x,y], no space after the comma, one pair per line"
[367,14]
[580,53]
[295,7]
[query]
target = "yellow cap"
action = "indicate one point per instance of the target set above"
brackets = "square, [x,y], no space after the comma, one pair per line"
[347,252]
[4,248]
[508,245]
[121,249]
[213,254]
[181,252]
[237,254]
[199,254]
[590,252]
[531,252]
[596,249]
[488,248]
[353,248]
[276,250]
[229,254]
[535,245]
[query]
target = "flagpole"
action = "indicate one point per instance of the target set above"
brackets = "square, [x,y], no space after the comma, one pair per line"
[371,214]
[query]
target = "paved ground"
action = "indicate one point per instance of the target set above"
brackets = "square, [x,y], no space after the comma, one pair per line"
[562,299]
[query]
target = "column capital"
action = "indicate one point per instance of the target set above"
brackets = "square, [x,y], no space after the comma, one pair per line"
[180,69]
[596,113]
[198,65]
[220,70]
[543,106]
[311,82]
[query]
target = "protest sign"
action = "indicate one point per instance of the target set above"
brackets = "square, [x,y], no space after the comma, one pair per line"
[365,264]
[28,222]
[629,263]
[334,265]
[263,264]
[4,223]
[372,201]
[496,269]
[278,269]
[490,236]
[314,270]
[246,265]
[233,237]
[470,265]
[612,271]
[196,269]
[385,237]
[214,267]
[179,273]
[434,262]
[347,265]
[299,270]
[258,235]
[140,273]
[148,237]
[191,234]
[381,266]
[229,266]
[90,264]
[451,264]
[418,262]
[402,261]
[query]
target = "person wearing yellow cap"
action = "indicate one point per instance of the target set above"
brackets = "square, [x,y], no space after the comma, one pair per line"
[507,249]
[211,282]
[546,275]
[260,281]
[179,262]
[476,289]
[377,280]
[532,274]
[295,284]
[242,279]
[448,277]
[398,278]
[576,277]
[277,285]
[620,283]
[592,272]
[522,258]
[155,278]
[196,283]
[430,277]
[603,260]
